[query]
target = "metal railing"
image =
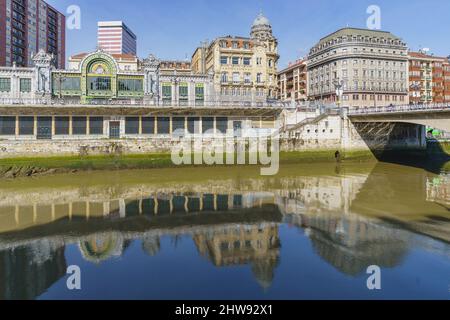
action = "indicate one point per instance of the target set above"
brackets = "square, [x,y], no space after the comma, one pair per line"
[400,108]
[76,102]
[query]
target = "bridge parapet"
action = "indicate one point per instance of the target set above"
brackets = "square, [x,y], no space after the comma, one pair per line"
[396,109]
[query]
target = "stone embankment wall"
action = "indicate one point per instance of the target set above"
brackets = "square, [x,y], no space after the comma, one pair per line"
[330,133]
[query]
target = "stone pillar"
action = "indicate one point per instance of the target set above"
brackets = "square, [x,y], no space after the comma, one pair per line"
[156,125]
[122,208]
[106,209]
[17,126]
[35,126]
[87,125]
[140,125]
[53,126]
[70,126]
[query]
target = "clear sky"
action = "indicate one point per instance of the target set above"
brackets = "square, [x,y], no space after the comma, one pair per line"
[172,29]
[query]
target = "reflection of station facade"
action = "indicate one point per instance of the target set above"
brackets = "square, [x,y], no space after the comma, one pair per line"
[238,228]
[255,245]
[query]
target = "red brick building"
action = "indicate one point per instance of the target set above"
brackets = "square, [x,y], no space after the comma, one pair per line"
[429,78]
[292,82]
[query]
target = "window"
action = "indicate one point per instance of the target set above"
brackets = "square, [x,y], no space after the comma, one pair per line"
[247,77]
[235,60]
[178,124]
[207,124]
[99,83]
[96,125]
[148,125]
[193,125]
[199,92]
[224,77]
[134,85]
[25,85]
[62,125]
[79,125]
[5,84]
[247,61]
[258,77]
[183,91]
[167,91]
[67,84]
[163,125]
[223,60]
[222,124]
[236,77]
[132,125]
[26,126]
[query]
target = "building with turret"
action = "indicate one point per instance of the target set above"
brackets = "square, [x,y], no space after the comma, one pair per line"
[244,68]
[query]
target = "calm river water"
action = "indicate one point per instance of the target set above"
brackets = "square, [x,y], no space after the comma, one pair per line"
[228,233]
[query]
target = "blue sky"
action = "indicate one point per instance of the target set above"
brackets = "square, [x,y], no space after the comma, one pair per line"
[172,29]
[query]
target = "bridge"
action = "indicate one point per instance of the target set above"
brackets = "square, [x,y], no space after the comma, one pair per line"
[431,115]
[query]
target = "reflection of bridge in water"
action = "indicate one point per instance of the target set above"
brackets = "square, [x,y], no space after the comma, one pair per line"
[238,227]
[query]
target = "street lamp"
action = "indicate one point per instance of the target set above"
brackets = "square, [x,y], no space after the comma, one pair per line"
[339,86]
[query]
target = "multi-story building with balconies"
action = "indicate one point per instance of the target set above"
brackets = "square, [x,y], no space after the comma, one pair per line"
[446,73]
[28,26]
[369,66]
[243,68]
[292,82]
[427,78]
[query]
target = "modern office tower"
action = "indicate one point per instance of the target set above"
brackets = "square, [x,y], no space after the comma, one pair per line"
[115,37]
[26,27]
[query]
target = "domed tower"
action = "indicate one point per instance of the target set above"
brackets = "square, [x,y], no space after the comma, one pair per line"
[261,28]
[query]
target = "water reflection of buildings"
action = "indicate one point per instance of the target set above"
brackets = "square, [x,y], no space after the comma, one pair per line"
[28,271]
[255,245]
[233,228]
[438,189]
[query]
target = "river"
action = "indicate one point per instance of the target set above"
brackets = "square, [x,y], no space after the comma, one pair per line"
[310,232]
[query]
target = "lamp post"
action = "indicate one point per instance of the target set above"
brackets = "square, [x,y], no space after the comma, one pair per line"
[339,86]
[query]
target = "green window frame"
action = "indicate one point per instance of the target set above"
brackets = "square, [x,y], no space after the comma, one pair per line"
[167,91]
[183,91]
[131,85]
[99,83]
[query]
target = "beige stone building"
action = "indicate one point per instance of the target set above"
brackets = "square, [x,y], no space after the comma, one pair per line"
[370,66]
[245,69]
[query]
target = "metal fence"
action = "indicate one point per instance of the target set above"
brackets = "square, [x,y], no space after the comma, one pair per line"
[400,108]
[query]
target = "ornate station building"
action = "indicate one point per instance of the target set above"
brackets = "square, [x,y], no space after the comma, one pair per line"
[108,97]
